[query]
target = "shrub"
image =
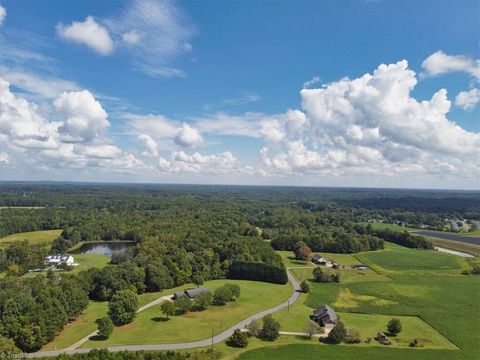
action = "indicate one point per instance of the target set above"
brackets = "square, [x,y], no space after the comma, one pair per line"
[304,286]
[123,307]
[238,339]
[394,326]
[271,329]
[105,327]
[311,328]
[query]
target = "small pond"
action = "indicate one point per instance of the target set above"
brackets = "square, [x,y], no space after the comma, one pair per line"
[103,247]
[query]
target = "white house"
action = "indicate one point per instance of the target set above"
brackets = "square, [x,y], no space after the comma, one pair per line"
[56,260]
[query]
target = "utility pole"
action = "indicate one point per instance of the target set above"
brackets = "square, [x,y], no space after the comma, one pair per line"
[212,344]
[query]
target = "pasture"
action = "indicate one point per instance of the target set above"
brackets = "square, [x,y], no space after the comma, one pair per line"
[42,237]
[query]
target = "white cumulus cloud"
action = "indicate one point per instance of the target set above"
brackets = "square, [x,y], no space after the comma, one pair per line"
[440,63]
[149,143]
[467,100]
[85,117]
[188,136]
[89,33]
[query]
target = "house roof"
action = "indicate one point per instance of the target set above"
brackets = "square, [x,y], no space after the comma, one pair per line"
[325,314]
[194,292]
[179,294]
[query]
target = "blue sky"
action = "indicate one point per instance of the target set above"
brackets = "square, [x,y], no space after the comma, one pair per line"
[211,92]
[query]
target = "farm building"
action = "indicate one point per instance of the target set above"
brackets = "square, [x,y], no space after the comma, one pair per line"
[191,293]
[325,316]
[317,259]
[57,260]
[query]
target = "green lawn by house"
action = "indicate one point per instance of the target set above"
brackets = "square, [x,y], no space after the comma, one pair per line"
[290,261]
[150,326]
[34,237]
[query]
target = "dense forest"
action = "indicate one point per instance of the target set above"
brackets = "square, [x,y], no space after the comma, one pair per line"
[185,232]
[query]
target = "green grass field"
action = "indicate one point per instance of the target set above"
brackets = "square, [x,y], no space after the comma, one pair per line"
[396,258]
[426,291]
[34,237]
[151,327]
[290,261]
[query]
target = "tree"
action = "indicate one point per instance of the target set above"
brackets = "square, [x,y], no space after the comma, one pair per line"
[221,295]
[202,301]
[254,328]
[105,327]
[168,308]
[318,275]
[238,339]
[338,334]
[271,328]
[197,280]
[311,328]
[123,307]
[8,348]
[183,304]
[394,326]
[304,286]
[302,251]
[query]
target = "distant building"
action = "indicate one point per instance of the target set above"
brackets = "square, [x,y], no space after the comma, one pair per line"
[317,259]
[57,260]
[191,293]
[325,316]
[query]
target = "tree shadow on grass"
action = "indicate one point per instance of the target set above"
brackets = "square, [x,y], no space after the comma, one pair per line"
[160,319]
[98,338]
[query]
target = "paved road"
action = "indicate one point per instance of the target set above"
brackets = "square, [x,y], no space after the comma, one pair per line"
[201,343]
[474,240]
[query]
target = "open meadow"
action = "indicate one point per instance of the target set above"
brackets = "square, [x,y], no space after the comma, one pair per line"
[43,237]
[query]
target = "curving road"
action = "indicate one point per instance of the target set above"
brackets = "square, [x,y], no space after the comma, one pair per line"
[194,344]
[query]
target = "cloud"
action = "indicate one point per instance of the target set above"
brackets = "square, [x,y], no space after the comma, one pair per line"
[131,37]
[4,158]
[3,14]
[188,136]
[44,86]
[73,139]
[467,100]
[89,33]
[223,163]
[86,118]
[440,63]
[372,125]
[311,82]
[155,33]
[149,143]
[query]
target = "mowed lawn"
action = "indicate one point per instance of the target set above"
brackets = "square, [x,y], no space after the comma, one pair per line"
[289,260]
[80,327]
[34,237]
[151,327]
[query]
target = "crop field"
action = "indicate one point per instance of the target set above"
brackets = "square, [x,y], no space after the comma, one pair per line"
[435,304]
[34,237]
[151,327]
